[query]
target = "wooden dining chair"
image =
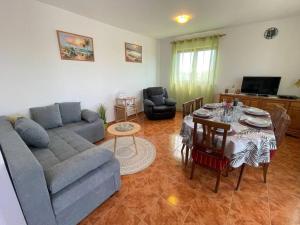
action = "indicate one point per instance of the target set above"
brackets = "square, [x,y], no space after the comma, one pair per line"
[198,103]
[188,108]
[276,113]
[282,126]
[206,152]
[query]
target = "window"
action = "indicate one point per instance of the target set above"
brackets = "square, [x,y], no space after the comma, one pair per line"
[197,63]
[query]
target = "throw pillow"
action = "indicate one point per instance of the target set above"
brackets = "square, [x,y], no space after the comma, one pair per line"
[89,115]
[158,99]
[70,112]
[32,133]
[47,116]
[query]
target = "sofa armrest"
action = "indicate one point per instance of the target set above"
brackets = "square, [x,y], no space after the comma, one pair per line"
[170,102]
[28,179]
[148,103]
[89,116]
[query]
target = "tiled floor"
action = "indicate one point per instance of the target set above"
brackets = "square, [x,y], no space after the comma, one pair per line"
[163,193]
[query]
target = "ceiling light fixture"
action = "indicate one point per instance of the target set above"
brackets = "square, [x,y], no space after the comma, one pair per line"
[182,18]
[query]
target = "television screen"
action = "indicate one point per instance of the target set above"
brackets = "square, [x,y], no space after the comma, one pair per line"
[260,85]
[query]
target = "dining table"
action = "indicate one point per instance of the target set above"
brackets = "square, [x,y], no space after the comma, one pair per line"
[245,143]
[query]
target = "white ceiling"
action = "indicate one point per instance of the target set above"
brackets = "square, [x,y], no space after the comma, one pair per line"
[155,17]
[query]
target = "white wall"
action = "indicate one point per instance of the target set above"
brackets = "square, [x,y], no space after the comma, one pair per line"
[10,211]
[244,51]
[32,73]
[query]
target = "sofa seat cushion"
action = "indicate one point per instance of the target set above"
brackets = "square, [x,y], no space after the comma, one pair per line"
[70,112]
[66,172]
[162,108]
[63,145]
[92,132]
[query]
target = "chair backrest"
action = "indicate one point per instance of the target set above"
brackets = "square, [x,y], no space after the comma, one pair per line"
[188,108]
[148,92]
[208,141]
[276,113]
[282,126]
[198,103]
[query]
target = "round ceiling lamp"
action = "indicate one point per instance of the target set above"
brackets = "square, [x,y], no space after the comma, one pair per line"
[183,18]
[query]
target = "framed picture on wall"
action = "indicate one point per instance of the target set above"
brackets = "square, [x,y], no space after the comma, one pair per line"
[133,53]
[75,47]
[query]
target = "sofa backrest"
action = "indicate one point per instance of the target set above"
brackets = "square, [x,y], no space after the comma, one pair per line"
[148,92]
[27,177]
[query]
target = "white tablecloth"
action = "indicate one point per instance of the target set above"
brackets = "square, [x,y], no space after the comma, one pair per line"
[245,145]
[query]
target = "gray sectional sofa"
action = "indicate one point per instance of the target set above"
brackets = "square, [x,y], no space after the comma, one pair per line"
[62,183]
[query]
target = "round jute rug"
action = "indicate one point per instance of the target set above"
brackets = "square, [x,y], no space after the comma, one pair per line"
[126,154]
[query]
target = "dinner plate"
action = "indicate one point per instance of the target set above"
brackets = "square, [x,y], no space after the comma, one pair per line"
[258,122]
[211,106]
[202,113]
[255,111]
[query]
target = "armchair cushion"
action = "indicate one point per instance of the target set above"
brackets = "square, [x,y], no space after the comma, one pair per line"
[158,99]
[170,102]
[148,102]
[70,112]
[47,116]
[89,115]
[32,133]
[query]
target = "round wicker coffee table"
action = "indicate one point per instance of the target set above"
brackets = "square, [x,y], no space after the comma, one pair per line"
[124,129]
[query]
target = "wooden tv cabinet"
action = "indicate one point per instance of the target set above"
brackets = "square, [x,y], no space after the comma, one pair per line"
[291,105]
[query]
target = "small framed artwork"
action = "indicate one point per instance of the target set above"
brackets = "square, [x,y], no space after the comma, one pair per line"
[133,53]
[75,47]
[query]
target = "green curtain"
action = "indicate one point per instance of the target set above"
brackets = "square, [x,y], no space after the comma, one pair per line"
[193,69]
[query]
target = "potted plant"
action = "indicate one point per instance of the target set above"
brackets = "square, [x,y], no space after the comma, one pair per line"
[102,114]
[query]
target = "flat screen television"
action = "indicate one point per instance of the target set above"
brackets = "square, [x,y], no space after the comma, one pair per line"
[260,85]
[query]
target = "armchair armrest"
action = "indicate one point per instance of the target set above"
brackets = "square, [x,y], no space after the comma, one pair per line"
[170,102]
[89,116]
[148,102]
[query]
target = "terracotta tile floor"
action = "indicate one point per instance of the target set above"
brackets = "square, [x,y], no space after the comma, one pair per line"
[164,194]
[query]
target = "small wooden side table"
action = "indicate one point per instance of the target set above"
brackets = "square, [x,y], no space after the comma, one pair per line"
[112,130]
[125,106]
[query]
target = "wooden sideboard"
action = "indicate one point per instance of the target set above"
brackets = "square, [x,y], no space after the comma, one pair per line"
[292,106]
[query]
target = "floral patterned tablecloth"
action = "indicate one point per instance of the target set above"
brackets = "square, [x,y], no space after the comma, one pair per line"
[245,145]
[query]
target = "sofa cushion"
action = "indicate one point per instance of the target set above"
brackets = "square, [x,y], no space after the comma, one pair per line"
[170,102]
[162,108]
[47,116]
[70,112]
[155,91]
[63,145]
[158,99]
[32,133]
[92,132]
[65,173]
[89,115]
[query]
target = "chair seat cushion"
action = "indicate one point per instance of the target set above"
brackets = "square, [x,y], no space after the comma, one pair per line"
[162,108]
[209,160]
[272,153]
[66,172]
